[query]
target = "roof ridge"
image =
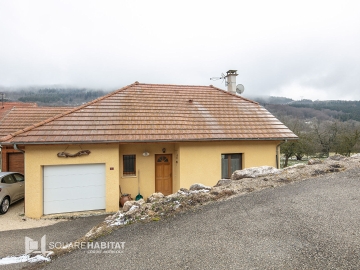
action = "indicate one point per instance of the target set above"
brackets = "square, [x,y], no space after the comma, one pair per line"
[246,99]
[168,84]
[12,135]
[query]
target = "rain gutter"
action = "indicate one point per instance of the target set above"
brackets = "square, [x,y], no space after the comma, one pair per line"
[152,141]
[16,148]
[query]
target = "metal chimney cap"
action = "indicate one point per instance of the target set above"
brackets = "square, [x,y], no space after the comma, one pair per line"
[232,72]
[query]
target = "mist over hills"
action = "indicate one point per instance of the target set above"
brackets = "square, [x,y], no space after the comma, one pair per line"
[279,106]
[306,109]
[53,96]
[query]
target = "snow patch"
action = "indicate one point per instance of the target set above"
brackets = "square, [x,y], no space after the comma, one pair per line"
[22,259]
[118,220]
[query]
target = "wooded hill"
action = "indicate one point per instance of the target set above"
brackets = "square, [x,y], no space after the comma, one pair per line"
[306,109]
[323,127]
[279,106]
[53,96]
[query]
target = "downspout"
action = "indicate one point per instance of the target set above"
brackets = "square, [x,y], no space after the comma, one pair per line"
[16,148]
[278,153]
[22,151]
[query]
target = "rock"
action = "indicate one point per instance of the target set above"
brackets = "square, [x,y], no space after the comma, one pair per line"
[223,182]
[171,197]
[139,202]
[151,213]
[183,191]
[357,156]
[254,172]
[177,207]
[134,209]
[337,157]
[296,166]
[128,205]
[146,206]
[155,197]
[198,186]
[314,161]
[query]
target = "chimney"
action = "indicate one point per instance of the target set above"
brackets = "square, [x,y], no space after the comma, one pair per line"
[231,81]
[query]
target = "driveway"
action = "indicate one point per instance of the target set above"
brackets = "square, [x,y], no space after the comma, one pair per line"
[15,219]
[313,224]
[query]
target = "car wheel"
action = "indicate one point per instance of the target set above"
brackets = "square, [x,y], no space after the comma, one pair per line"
[4,206]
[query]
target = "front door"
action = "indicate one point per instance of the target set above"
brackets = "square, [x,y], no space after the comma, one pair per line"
[163,174]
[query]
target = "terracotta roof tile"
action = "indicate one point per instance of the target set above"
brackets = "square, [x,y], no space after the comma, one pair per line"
[154,112]
[6,107]
[22,118]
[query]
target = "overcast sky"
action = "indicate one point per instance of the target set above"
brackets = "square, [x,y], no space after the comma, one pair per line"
[297,49]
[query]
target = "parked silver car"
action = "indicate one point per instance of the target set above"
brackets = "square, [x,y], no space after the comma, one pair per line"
[12,189]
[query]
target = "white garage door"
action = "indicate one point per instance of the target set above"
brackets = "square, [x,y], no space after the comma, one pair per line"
[72,188]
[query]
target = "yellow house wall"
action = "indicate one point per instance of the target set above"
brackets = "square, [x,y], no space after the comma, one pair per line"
[192,163]
[201,162]
[38,156]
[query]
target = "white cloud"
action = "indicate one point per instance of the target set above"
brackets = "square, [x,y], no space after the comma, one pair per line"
[272,44]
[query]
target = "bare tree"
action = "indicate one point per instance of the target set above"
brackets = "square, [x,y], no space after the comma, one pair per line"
[347,138]
[325,134]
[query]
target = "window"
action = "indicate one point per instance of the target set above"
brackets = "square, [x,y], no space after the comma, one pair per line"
[18,177]
[8,179]
[229,164]
[129,165]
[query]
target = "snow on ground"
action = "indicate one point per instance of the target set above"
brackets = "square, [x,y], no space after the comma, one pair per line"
[22,259]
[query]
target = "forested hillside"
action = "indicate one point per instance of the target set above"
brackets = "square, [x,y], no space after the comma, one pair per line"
[54,96]
[323,127]
[323,110]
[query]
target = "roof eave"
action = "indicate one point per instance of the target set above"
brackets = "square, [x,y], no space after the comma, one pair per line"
[152,141]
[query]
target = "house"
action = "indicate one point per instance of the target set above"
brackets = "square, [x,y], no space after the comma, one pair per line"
[161,136]
[15,116]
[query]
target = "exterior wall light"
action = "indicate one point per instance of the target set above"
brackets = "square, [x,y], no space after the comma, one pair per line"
[146,154]
[164,150]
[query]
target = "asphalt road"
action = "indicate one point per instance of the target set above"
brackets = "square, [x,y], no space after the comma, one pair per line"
[313,224]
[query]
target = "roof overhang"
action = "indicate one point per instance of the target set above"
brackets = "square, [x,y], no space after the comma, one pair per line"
[150,141]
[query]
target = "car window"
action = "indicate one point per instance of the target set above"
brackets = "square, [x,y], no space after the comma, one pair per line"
[18,177]
[8,179]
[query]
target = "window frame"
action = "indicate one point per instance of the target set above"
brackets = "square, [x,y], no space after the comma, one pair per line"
[229,172]
[127,164]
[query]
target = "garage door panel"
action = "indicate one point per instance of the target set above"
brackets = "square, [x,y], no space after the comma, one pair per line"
[71,188]
[53,171]
[74,205]
[74,181]
[73,169]
[69,193]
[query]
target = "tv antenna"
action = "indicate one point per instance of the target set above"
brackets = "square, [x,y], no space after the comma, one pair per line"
[223,76]
[230,78]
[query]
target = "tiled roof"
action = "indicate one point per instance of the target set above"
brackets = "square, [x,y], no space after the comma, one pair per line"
[154,112]
[6,107]
[21,117]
